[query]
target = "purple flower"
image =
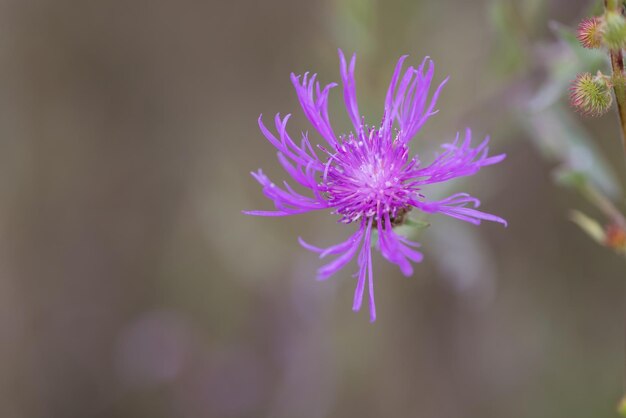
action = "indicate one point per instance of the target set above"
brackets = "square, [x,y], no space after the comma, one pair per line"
[366,176]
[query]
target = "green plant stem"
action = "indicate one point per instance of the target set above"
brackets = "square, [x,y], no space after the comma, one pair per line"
[603,203]
[619,89]
[617,68]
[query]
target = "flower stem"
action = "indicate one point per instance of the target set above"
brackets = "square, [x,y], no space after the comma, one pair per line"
[617,68]
[603,203]
[619,89]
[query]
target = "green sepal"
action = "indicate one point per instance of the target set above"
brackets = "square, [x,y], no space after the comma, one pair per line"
[415,223]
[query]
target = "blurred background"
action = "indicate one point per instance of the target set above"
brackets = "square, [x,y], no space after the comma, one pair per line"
[132,286]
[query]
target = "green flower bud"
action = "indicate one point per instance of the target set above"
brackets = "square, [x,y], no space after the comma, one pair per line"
[614,30]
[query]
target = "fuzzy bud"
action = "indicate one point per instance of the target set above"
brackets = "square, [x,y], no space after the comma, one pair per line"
[590,32]
[614,30]
[591,95]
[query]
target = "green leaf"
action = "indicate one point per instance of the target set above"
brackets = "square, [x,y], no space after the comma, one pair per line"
[621,408]
[589,226]
[562,138]
[570,178]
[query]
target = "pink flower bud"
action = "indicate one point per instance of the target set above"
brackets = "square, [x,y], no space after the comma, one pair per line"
[589,32]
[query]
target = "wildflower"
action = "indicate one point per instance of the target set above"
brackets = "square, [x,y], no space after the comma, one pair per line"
[366,176]
[590,32]
[591,95]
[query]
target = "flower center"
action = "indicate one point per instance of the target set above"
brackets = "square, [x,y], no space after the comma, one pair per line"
[366,178]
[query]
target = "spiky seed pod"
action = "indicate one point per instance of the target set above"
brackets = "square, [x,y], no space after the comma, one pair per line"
[591,95]
[590,32]
[614,30]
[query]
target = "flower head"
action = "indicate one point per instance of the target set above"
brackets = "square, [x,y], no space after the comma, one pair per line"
[367,177]
[591,95]
[590,32]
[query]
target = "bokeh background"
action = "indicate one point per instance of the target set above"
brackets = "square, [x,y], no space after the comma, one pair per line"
[132,286]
